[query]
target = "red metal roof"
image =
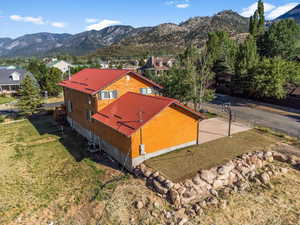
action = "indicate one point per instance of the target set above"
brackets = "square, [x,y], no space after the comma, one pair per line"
[90,81]
[132,110]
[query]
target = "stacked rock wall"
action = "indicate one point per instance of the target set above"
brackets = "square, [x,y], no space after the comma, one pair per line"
[234,174]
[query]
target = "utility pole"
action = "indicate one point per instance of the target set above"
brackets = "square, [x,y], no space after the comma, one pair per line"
[227,108]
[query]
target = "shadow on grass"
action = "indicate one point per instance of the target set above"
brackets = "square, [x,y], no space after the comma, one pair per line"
[74,143]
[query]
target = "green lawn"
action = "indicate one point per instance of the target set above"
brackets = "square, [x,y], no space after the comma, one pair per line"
[39,170]
[4,100]
[185,163]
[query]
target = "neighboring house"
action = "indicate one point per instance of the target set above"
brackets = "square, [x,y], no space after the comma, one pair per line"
[157,65]
[103,64]
[121,112]
[62,65]
[10,79]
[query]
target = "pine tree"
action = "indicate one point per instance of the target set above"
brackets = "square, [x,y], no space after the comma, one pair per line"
[247,58]
[254,25]
[30,98]
[261,20]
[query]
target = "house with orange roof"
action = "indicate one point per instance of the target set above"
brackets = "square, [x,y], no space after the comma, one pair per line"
[122,113]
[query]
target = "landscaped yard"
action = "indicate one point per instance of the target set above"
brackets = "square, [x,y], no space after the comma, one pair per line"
[40,170]
[185,163]
[4,100]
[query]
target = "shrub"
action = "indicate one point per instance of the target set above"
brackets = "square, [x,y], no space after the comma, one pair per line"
[2,118]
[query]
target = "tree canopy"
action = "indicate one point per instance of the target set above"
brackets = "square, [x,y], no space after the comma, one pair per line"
[281,39]
[30,98]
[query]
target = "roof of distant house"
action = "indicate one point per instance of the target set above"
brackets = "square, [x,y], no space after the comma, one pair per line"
[50,64]
[7,79]
[132,110]
[90,80]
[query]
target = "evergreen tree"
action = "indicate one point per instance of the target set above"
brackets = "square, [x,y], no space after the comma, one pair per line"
[52,78]
[254,24]
[261,20]
[223,50]
[30,98]
[247,58]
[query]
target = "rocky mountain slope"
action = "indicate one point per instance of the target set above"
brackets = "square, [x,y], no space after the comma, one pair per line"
[292,14]
[164,37]
[171,38]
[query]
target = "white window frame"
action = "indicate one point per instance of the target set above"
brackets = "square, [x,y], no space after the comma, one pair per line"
[147,91]
[110,93]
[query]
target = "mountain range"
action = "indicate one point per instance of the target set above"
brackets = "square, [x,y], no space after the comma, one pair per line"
[113,38]
[121,40]
[292,14]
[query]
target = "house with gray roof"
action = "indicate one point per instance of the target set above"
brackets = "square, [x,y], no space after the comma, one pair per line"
[10,79]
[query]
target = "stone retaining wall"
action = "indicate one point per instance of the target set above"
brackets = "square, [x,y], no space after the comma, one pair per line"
[236,173]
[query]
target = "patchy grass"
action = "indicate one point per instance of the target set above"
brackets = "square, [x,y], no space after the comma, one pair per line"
[4,100]
[54,99]
[40,169]
[277,206]
[185,163]
[210,115]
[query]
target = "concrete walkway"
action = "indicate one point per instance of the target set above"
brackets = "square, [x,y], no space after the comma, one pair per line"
[216,128]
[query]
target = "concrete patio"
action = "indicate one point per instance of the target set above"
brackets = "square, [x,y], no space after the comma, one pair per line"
[216,128]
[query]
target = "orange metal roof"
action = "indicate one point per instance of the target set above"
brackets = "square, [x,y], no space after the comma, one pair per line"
[132,110]
[90,81]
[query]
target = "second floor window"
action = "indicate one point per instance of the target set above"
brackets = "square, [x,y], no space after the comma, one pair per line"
[146,91]
[108,95]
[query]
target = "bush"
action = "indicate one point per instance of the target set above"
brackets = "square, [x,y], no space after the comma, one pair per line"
[2,118]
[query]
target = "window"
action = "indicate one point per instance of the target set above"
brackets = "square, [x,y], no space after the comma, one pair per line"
[146,91]
[89,115]
[108,94]
[69,106]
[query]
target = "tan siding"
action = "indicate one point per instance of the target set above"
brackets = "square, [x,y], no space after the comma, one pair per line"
[172,127]
[112,137]
[123,86]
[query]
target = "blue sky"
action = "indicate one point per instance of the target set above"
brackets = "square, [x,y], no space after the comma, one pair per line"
[19,17]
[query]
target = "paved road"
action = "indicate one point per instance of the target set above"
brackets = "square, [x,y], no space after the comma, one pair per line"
[289,124]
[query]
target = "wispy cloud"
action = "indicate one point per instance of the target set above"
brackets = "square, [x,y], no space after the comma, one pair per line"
[102,24]
[91,20]
[37,20]
[280,10]
[271,11]
[28,19]
[180,4]
[249,11]
[58,24]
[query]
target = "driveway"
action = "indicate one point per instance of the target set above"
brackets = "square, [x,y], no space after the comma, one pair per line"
[216,128]
[289,123]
